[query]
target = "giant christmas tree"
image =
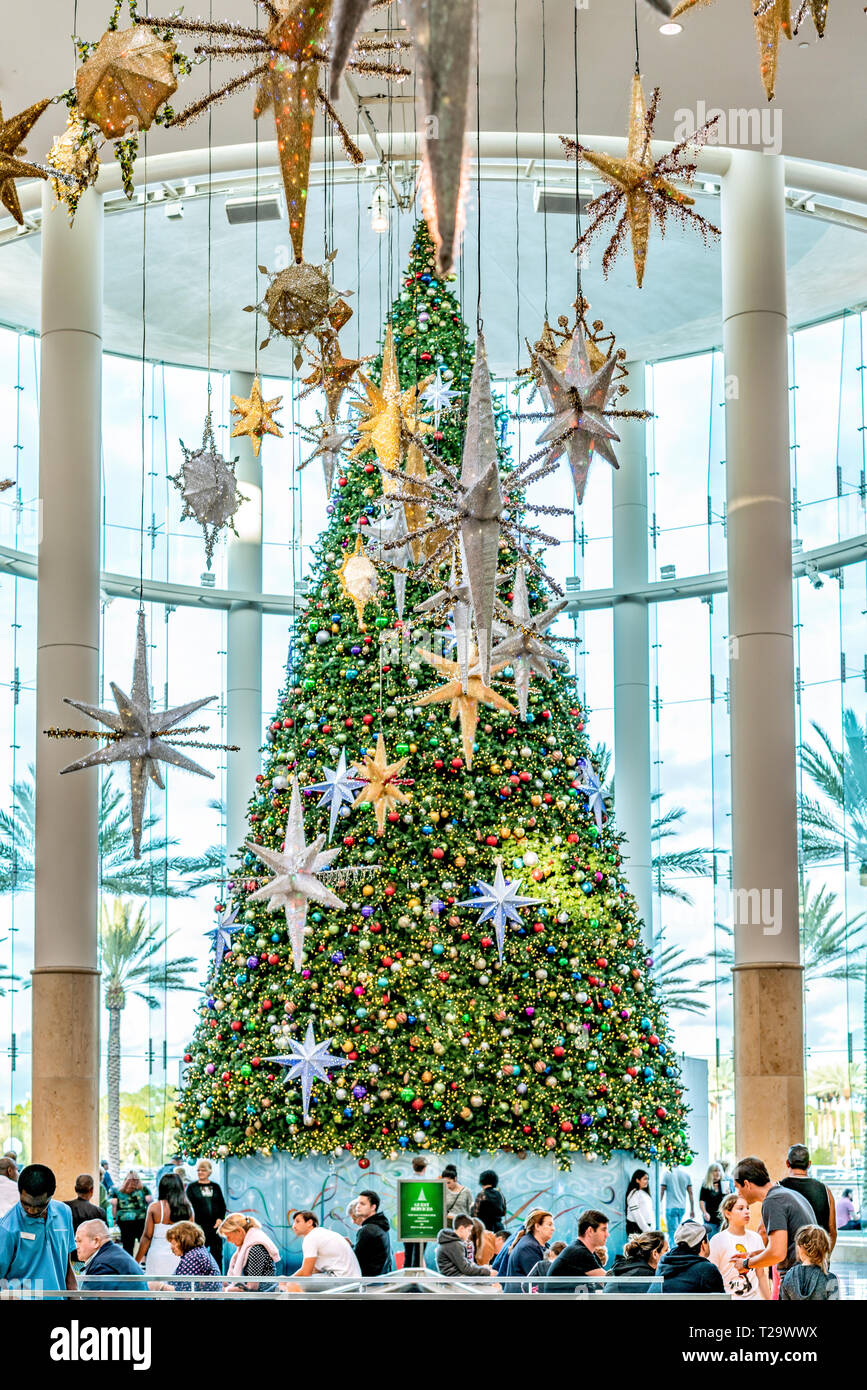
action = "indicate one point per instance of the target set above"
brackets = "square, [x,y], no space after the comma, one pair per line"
[485,985]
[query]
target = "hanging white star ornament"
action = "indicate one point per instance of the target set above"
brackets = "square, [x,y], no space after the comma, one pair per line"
[578,398]
[208,486]
[438,397]
[138,730]
[482,505]
[337,789]
[593,789]
[500,901]
[221,935]
[309,1061]
[388,542]
[295,882]
[328,450]
[524,649]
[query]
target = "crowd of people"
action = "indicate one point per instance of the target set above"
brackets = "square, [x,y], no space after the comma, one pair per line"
[180,1239]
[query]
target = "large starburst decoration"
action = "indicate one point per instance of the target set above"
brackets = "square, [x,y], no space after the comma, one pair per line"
[524,649]
[295,883]
[392,531]
[287,55]
[221,935]
[338,791]
[463,700]
[254,416]
[12,166]
[382,790]
[329,439]
[308,1061]
[390,417]
[207,483]
[589,783]
[138,735]
[555,344]
[642,189]
[500,902]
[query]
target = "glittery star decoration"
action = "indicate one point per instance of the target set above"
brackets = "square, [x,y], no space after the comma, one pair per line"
[358,579]
[818,9]
[301,300]
[524,649]
[138,731]
[390,533]
[389,416]
[464,703]
[295,882]
[284,59]
[74,157]
[345,23]
[123,84]
[555,344]
[221,935]
[415,506]
[207,483]
[332,371]
[329,442]
[500,902]
[381,791]
[641,186]
[12,133]
[771,18]
[309,1061]
[253,416]
[578,426]
[438,397]
[593,787]
[339,788]
[443,33]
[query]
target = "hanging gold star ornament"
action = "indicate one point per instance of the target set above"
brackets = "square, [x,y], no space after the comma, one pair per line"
[464,702]
[122,86]
[74,156]
[284,59]
[208,486]
[332,371]
[382,791]
[641,186]
[358,579]
[12,166]
[771,19]
[390,417]
[254,416]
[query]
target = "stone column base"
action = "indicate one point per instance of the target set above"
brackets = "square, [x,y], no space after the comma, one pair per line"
[769,1061]
[66,1073]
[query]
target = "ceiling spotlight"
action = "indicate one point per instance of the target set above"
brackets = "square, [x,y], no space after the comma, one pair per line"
[670,27]
[379,209]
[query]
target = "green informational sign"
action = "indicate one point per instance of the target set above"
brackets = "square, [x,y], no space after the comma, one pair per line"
[421,1208]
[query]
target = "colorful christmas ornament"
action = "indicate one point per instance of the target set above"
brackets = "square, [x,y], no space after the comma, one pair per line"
[299,300]
[254,416]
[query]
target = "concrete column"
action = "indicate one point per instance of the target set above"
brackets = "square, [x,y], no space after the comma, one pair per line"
[244,635]
[632,652]
[65,976]
[768,987]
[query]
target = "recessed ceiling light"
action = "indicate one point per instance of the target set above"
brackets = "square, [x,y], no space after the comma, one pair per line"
[670,28]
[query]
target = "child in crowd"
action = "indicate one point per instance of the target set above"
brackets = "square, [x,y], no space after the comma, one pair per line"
[810,1280]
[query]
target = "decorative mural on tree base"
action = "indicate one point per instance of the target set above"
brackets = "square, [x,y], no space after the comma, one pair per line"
[269,1187]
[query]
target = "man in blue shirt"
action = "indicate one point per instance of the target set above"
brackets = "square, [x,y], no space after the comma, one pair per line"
[104,1262]
[36,1241]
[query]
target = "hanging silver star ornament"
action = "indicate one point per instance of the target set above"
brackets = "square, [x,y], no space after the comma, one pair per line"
[137,735]
[391,532]
[437,397]
[483,504]
[208,486]
[592,787]
[295,882]
[221,935]
[442,32]
[337,789]
[500,901]
[309,1061]
[524,648]
[578,398]
[330,442]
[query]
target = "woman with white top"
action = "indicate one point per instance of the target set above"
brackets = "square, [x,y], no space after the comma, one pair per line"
[171,1205]
[639,1203]
[735,1239]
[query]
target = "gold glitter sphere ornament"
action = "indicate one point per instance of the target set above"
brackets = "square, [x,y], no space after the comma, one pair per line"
[300,300]
[122,86]
[12,166]
[254,416]
[75,155]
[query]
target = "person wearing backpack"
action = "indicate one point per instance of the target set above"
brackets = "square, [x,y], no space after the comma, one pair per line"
[490,1204]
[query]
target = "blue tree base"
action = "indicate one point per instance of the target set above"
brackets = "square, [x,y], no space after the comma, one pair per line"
[269,1188]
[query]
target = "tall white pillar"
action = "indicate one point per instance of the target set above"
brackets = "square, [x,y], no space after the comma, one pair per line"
[632,652]
[65,975]
[768,998]
[244,635]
